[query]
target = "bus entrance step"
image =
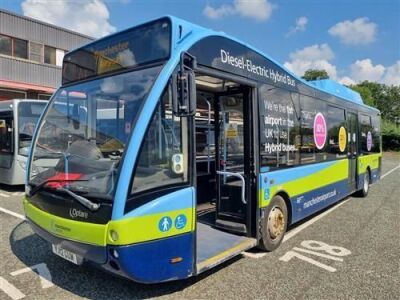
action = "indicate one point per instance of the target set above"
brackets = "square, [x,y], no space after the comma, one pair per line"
[214,246]
[231,226]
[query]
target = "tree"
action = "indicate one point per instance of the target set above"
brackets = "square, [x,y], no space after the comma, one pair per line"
[387,100]
[366,94]
[314,74]
[383,97]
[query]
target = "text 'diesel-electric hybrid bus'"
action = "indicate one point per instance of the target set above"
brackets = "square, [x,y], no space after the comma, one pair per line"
[170,148]
[18,119]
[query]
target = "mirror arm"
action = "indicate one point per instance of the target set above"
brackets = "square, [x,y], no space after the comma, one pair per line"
[184,87]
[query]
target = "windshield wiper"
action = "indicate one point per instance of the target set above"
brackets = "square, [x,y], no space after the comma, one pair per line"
[82,200]
[39,186]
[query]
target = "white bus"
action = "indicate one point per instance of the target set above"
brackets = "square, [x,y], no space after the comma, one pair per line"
[18,119]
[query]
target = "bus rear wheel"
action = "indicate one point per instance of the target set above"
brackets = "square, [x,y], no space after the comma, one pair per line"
[365,189]
[274,224]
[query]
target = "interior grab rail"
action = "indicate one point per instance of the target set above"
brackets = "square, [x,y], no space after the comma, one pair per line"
[237,175]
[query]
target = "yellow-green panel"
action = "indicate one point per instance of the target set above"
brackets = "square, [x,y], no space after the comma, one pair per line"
[337,172]
[331,174]
[146,228]
[365,161]
[84,232]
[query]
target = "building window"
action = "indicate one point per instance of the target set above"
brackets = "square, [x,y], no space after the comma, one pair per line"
[49,55]
[20,48]
[13,47]
[44,97]
[35,52]
[5,45]
[11,94]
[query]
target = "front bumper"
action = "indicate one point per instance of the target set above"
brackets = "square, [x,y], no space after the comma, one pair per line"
[145,262]
[87,252]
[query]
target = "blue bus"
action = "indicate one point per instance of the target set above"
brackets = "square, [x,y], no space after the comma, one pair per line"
[171,148]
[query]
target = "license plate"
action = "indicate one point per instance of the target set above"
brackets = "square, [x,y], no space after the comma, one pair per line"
[58,250]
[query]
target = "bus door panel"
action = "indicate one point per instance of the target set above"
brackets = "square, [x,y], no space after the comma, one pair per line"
[232,167]
[352,121]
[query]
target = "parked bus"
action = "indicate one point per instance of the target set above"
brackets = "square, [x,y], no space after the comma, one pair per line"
[18,119]
[193,148]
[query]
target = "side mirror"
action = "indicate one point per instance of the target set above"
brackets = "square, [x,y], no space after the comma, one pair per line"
[184,83]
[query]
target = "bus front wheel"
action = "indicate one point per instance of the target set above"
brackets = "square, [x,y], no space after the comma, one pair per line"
[274,224]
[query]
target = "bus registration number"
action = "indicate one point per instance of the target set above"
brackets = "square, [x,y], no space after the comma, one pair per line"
[57,249]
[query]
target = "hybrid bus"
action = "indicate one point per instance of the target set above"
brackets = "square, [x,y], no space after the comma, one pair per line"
[182,147]
[18,119]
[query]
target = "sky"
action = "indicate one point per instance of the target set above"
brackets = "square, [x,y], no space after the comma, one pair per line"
[353,40]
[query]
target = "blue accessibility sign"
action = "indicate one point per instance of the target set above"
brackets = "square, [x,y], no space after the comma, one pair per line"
[165,224]
[180,221]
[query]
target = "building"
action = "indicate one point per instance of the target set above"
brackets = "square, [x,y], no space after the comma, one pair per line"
[31,54]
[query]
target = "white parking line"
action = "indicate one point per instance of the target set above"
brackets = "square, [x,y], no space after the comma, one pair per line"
[12,213]
[303,226]
[10,290]
[392,170]
[4,195]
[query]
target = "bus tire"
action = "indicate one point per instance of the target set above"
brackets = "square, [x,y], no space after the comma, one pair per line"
[274,224]
[365,189]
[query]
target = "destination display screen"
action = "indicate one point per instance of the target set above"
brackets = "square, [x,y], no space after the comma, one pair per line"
[141,45]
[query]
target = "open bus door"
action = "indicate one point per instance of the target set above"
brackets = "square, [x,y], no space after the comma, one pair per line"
[226,229]
[233,140]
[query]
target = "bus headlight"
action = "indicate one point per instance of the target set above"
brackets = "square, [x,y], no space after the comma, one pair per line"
[114,235]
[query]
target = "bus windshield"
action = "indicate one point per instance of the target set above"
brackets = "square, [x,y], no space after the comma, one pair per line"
[28,116]
[85,130]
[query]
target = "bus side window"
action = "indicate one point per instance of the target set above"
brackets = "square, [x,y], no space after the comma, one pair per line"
[310,153]
[376,134]
[336,124]
[163,142]
[279,128]
[366,132]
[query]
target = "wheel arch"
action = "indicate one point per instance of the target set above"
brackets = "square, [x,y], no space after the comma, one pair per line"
[288,203]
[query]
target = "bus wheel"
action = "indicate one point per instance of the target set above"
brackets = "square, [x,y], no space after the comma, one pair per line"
[273,226]
[365,189]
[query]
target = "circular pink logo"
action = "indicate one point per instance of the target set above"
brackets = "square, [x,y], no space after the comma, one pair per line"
[319,131]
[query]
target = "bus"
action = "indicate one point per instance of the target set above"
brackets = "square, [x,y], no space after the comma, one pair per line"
[192,147]
[18,118]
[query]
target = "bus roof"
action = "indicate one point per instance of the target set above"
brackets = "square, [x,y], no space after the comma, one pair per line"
[326,85]
[182,29]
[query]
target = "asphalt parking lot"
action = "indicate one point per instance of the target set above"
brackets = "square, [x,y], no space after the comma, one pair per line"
[350,250]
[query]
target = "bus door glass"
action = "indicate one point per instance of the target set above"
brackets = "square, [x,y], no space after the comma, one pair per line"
[6,138]
[230,158]
[352,121]
[28,116]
